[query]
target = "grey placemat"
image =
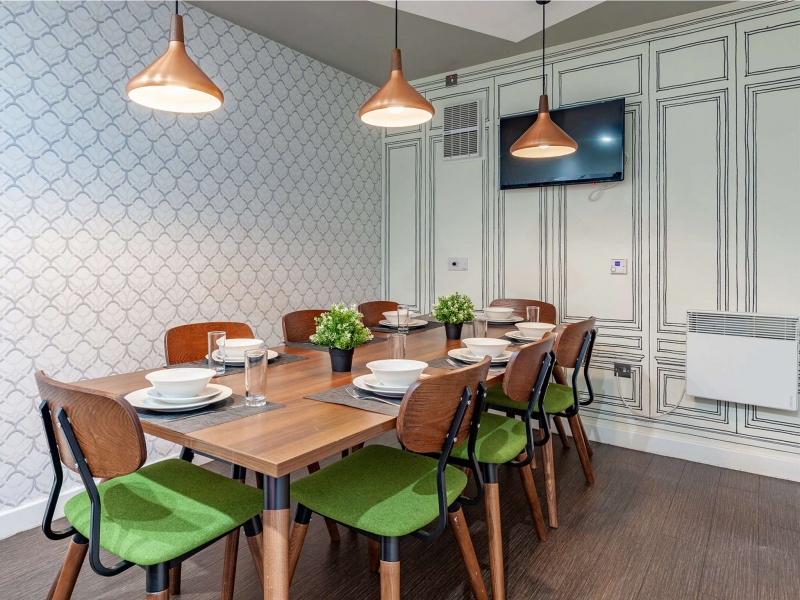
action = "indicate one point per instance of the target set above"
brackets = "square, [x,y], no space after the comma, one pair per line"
[227,410]
[310,346]
[431,325]
[340,396]
[233,369]
[441,363]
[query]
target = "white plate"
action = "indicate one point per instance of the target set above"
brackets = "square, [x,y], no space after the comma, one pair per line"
[518,335]
[140,399]
[464,355]
[360,384]
[238,362]
[412,323]
[206,393]
[510,321]
[372,382]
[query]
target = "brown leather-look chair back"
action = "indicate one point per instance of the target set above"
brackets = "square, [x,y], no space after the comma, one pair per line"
[299,325]
[373,311]
[107,428]
[571,340]
[524,367]
[547,312]
[187,343]
[429,406]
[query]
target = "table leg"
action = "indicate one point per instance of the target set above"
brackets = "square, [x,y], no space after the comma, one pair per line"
[276,538]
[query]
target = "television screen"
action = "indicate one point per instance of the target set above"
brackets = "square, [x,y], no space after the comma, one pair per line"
[599,130]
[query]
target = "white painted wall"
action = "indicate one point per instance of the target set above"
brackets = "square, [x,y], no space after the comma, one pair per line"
[707,216]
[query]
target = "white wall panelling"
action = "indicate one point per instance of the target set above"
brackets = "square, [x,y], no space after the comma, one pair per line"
[706,215]
[118,222]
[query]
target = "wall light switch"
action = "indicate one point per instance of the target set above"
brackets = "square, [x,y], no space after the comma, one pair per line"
[619,266]
[457,264]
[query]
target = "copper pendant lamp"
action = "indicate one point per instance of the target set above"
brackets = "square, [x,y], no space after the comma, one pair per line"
[173,82]
[544,139]
[397,103]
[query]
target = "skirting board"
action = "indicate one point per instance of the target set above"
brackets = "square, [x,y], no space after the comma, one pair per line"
[28,516]
[751,460]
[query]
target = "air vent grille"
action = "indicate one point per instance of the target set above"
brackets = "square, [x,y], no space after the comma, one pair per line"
[743,325]
[462,130]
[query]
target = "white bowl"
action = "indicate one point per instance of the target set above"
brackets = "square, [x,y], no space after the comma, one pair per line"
[494,347]
[180,383]
[236,347]
[499,313]
[535,330]
[395,372]
[391,315]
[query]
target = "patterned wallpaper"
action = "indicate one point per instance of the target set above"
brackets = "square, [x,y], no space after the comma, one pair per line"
[117,222]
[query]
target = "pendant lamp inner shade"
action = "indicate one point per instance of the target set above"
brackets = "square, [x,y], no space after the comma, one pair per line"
[174,82]
[397,103]
[544,139]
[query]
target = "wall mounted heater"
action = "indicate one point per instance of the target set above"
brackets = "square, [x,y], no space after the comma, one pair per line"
[747,358]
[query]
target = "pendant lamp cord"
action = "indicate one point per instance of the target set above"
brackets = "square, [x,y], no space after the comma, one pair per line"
[395,23]
[176,7]
[544,28]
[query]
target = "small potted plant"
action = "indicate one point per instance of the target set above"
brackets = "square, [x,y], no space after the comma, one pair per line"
[453,310]
[341,330]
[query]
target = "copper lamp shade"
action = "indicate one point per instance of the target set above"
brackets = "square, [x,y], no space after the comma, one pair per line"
[397,103]
[174,82]
[544,139]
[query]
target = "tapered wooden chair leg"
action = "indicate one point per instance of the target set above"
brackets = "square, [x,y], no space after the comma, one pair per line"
[175,580]
[390,580]
[163,595]
[562,433]
[585,438]
[255,543]
[298,536]
[260,481]
[333,530]
[575,426]
[70,570]
[52,592]
[229,564]
[492,500]
[532,496]
[459,526]
[373,554]
[548,466]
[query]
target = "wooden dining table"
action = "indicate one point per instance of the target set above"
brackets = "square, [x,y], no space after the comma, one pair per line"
[279,442]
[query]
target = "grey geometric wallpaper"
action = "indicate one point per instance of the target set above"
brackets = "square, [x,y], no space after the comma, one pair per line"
[118,222]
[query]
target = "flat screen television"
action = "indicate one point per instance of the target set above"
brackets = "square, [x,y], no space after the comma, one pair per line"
[599,129]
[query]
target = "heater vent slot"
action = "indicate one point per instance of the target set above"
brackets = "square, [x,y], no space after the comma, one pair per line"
[462,130]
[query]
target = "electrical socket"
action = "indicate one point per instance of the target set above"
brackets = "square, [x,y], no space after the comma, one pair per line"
[622,370]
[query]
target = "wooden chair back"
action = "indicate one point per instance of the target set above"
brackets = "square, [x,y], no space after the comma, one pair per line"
[299,325]
[187,343]
[547,312]
[373,311]
[571,340]
[107,428]
[524,367]
[429,406]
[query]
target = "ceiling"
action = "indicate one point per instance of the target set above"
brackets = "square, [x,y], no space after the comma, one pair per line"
[435,36]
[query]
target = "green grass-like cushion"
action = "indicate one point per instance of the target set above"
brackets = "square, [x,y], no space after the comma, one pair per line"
[165,510]
[558,399]
[381,490]
[500,440]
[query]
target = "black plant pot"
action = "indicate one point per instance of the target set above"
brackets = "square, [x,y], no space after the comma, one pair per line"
[341,360]
[453,330]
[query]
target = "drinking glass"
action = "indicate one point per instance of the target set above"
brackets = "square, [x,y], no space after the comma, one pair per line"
[403,316]
[255,377]
[480,327]
[532,312]
[397,345]
[216,353]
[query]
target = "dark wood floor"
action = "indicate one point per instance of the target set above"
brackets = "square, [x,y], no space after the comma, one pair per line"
[651,528]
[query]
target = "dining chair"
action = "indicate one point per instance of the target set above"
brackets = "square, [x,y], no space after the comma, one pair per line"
[573,351]
[373,311]
[154,516]
[188,343]
[299,325]
[547,314]
[506,440]
[387,493]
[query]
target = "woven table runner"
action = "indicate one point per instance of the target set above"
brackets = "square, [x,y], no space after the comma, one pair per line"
[310,346]
[233,369]
[230,409]
[340,396]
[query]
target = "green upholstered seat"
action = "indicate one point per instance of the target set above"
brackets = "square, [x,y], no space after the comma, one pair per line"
[500,440]
[558,399]
[381,490]
[165,510]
